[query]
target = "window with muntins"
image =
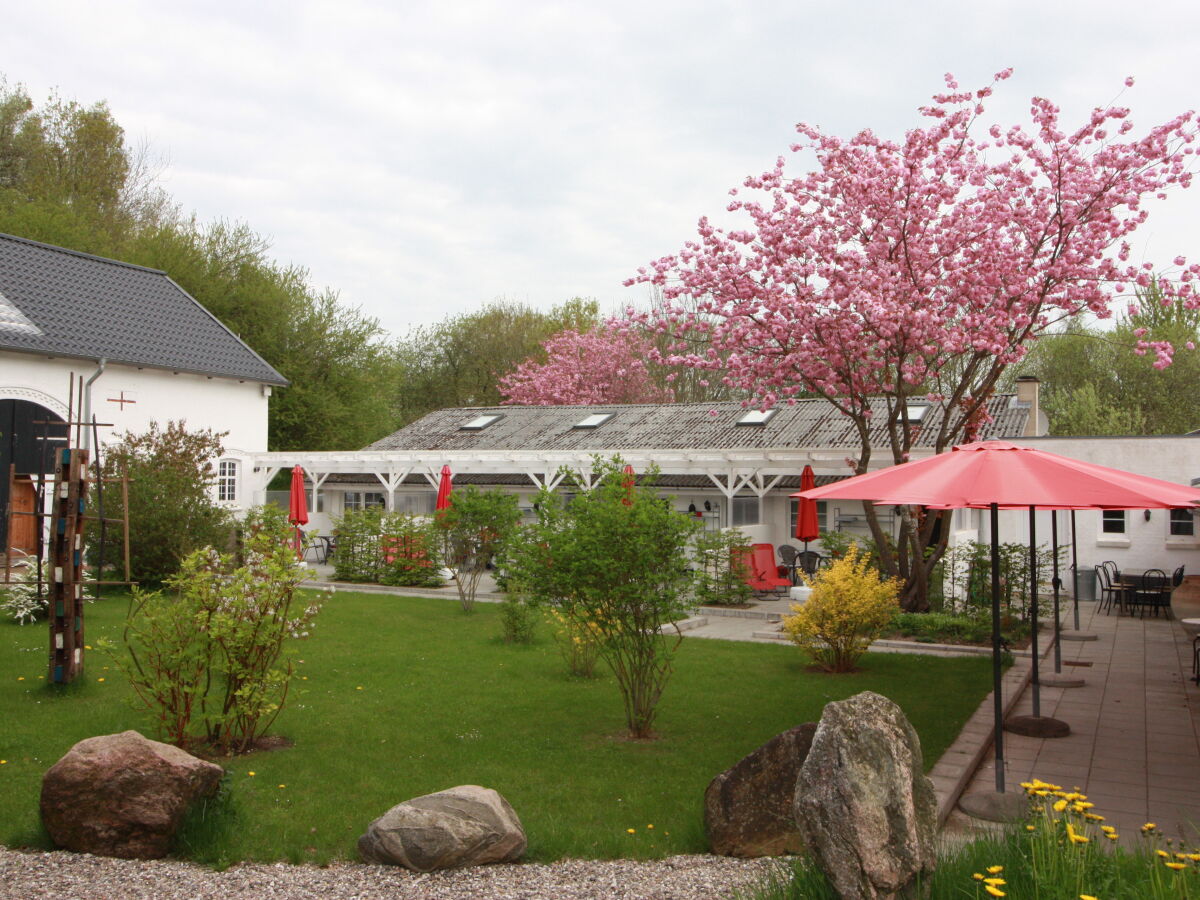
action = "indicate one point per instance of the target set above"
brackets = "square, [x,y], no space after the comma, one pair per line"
[1112,521]
[744,511]
[227,481]
[1182,523]
[363,500]
[794,510]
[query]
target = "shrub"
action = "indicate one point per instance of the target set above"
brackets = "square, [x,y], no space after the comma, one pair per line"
[19,598]
[209,659]
[473,529]
[172,512]
[357,552]
[410,552]
[850,606]
[967,578]
[615,556]
[720,574]
[579,641]
[518,619]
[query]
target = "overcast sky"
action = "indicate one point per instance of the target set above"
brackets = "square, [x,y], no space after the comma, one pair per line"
[425,158]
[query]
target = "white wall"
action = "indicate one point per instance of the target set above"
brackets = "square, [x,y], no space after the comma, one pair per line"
[222,404]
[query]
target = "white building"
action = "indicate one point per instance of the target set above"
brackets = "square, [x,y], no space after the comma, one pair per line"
[144,349]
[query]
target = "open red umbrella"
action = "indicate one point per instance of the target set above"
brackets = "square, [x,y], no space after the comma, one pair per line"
[298,507]
[808,528]
[444,488]
[998,475]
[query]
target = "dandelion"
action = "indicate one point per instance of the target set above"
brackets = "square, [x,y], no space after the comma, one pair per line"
[1176,865]
[1087,897]
[631,831]
[995,870]
[1075,837]
[282,786]
[359,688]
[3,762]
[651,827]
[1163,853]
[994,882]
[1149,826]
[99,679]
[251,774]
[1030,828]
[978,876]
[994,891]
[20,678]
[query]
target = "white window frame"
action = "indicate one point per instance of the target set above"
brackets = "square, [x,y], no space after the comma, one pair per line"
[1183,519]
[227,481]
[740,506]
[1109,517]
[363,500]
[794,511]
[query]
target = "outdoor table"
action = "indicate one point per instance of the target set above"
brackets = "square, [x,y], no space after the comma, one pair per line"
[1134,581]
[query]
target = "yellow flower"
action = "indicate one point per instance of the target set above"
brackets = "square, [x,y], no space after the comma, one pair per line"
[359,688]
[1086,897]
[1060,805]
[1149,826]
[282,786]
[3,762]
[87,646]
[1112,835]
[1074,836]
[995,870]
[1030,828]
[995,882]
[1107,828]
[994,891]
[251,774]
[978,876]
[1163,853]
[20,678]
[1176,865]
[99,679]
[631,831]
[649,826]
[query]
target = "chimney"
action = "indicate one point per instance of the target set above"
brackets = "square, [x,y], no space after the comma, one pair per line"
[1027,395]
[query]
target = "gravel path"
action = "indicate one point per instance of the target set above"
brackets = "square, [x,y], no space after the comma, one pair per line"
[72,876]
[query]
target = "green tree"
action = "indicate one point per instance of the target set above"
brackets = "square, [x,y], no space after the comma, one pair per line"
[171,508]
[474,529]
[1095,384]
[460,360]
[614,560]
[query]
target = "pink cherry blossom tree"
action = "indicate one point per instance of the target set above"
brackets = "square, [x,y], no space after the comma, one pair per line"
[920,270]
[605,365]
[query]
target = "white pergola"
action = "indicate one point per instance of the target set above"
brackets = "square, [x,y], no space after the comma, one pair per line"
[730,471]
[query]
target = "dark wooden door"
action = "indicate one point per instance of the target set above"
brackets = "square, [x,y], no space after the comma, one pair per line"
[24,528]
[23,443]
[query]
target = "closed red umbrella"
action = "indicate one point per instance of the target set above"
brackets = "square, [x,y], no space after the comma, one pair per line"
[628,482]
[444,488]
[298,507]
[808,528]
[998,475]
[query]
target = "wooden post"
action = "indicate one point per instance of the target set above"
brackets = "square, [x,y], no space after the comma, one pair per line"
[65,560]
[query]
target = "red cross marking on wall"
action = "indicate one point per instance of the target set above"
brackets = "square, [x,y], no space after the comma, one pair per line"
[122,400]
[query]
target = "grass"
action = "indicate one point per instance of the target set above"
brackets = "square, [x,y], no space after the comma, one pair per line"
[398,697]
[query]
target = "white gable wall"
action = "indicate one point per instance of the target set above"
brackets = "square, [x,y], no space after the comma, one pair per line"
[221,404]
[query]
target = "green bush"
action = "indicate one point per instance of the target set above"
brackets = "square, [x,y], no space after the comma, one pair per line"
[967,578]
[172,512]
[720,574]
[409,546]
[473,531]
[209,658]
[357,554]
[518,620]
[614,559]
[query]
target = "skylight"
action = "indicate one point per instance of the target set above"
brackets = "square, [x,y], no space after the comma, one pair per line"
[916,413]
[12,319]
[595,420]
[481,422]
[756,417]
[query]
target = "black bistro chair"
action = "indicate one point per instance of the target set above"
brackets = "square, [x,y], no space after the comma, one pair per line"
[1153,591]
[1111,591]
[809,561]
[787,558]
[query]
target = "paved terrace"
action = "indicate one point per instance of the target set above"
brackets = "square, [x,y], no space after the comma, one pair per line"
[1133,749]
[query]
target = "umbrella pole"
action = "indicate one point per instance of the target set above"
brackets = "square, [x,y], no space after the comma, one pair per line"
[1057,633]
[997,700]
[1033,612]
[1074,570]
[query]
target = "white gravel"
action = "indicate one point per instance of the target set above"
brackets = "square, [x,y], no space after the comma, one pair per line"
[73,876]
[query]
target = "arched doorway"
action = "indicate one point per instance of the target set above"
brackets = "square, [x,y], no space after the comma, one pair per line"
[27,433]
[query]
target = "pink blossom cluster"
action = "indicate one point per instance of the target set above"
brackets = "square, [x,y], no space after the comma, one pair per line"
[924,266]
[601,366]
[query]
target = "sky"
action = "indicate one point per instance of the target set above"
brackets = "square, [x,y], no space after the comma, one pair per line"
[423,159]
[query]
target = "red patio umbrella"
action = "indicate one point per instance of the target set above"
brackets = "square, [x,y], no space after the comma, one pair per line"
[444,488]
[998,475]
[298,507]
[808,528]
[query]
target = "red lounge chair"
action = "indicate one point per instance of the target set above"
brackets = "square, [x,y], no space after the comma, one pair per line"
[761,573]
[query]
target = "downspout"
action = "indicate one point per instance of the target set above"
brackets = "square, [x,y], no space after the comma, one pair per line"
[86,416]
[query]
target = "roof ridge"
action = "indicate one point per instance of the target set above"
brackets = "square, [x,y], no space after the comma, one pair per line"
[68,250]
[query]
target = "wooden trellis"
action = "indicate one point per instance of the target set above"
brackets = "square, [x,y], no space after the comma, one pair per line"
[60,571]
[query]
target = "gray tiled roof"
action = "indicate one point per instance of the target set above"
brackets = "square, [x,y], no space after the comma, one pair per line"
[59,302]
[675,426]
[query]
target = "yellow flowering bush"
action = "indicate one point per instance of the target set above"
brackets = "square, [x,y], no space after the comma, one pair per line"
[850,606]
[579,641]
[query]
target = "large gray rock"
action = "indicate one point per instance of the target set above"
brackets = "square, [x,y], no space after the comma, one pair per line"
[865,809]
[464,826]
[122,795]
[748,808]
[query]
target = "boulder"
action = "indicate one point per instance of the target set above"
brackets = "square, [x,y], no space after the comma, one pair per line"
[463,826]
[123,795]
[866,811]
[748,808]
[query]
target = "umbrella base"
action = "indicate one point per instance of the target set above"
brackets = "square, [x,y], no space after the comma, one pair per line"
[1061,681]
[1078,636]
[1011,806]
[1037,726]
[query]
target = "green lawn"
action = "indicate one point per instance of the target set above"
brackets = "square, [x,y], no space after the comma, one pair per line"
[404,696]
